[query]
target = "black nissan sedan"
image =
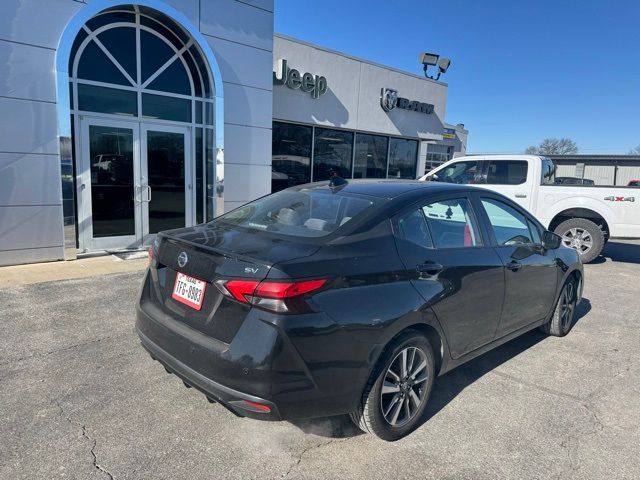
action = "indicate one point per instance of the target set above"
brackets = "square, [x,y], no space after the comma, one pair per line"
[322,300]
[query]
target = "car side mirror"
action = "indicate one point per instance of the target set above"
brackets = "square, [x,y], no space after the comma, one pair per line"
[551,240]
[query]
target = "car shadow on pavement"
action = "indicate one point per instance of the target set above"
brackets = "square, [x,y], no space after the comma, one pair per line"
[619,252]
[447,387]
[339,426]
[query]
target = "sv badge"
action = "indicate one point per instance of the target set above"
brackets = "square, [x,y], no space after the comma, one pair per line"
[251,270]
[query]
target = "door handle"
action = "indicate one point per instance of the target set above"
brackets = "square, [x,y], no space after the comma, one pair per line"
[514,266]
[149,192]
[136,190]
[429,269]
[521,195]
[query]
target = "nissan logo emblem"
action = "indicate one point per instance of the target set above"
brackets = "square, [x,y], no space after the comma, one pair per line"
[182,259]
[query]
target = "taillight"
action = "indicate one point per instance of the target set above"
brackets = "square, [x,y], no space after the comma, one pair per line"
[279,297]
[153,252]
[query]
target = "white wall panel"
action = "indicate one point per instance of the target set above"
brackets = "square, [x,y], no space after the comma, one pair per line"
[247,106]
[237,22]
[30,227]
[35,22]
[27,72]
[27,179]
[28,127]
[243,183]
[243,64]
[247,145]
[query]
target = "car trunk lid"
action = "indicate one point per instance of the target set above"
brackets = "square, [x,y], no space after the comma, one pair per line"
[215,252]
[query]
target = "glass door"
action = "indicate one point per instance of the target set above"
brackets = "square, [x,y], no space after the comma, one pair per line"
[166,183]
[109,203]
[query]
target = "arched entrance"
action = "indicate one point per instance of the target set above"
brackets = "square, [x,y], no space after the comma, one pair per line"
[145,121]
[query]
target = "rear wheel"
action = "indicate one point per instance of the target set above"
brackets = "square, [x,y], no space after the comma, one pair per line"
[562,317]
[399,388]
[582,235]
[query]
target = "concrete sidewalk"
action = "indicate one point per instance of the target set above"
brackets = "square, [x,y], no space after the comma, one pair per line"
[65,270]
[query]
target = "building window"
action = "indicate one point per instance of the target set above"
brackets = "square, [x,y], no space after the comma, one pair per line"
[437,154]
[291,155]
[370,159]
[403,157]
[332,151]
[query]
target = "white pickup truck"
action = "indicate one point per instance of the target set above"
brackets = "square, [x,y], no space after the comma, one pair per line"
[585,216]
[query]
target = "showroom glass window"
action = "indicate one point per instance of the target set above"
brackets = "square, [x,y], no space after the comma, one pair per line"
[370,158]
[291,155]
[332,151]
[403,158]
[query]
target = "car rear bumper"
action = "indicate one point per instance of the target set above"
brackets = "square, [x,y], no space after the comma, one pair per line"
[299,367]
[233,400]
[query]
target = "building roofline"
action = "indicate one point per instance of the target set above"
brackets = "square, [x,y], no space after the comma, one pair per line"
[358,59]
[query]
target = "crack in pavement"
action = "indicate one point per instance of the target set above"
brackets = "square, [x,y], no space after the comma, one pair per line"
[308,449]
[83,429]
[567,443]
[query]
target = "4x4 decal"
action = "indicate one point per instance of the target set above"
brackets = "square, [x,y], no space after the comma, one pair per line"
[620,199]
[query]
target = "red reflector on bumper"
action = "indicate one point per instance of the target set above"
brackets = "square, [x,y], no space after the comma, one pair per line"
[256,406]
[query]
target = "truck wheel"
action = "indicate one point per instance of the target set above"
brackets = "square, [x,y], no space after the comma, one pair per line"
[582,235]
[398,390]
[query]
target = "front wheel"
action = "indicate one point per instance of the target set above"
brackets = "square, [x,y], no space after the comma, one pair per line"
[584,236]
[399,388]
[562,318]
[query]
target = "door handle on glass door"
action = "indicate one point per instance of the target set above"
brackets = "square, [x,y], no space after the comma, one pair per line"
[149,192]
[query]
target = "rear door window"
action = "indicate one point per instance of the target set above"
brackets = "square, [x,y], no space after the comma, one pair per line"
[452,223]
[506,172]
[413,228]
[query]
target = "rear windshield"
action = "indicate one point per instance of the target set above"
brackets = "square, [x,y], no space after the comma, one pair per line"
[299,213]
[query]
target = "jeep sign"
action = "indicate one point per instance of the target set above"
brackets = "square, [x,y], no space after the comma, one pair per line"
[314,84]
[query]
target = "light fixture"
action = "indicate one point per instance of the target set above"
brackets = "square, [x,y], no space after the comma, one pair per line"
[431,59]
[443,65]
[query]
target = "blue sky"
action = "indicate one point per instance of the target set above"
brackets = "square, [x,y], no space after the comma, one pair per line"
[521,70]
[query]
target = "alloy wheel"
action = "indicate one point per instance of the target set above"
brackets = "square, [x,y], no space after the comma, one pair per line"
[568,305]
[403,390]
[578,239]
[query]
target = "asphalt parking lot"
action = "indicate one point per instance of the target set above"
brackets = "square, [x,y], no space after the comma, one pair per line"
[79,398]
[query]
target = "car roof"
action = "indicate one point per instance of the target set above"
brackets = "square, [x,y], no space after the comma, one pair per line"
[384,188]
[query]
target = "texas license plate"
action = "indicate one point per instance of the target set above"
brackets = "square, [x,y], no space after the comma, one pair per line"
[189,290]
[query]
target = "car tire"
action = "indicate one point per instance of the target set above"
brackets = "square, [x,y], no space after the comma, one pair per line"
[562,317]
[403,416]
[584,236]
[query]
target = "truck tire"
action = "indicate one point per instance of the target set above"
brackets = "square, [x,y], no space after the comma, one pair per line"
[582,235]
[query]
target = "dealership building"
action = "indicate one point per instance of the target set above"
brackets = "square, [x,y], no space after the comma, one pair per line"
[119,120]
